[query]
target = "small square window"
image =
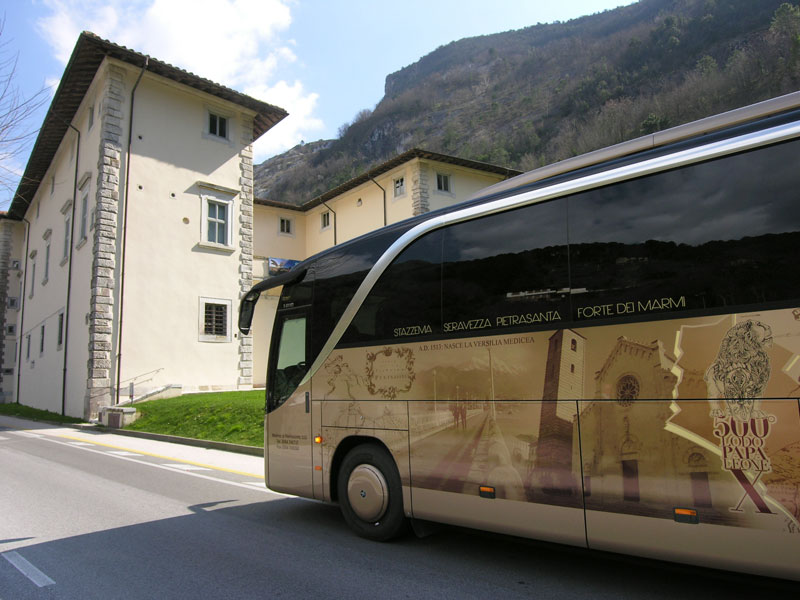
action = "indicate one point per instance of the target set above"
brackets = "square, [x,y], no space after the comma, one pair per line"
[442,182]
[286,226]
[218,125]
[12,302]
[325,219]
[399,187]
[11,329]
[215,319]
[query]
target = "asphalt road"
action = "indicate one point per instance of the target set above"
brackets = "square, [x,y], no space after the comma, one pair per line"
[86,515]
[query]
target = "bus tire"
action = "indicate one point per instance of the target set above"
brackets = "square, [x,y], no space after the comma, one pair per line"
[370,493]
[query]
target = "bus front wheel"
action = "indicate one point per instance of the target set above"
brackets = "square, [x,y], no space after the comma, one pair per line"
[370,494]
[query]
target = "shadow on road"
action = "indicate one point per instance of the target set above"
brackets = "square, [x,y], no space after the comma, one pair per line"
[291,548]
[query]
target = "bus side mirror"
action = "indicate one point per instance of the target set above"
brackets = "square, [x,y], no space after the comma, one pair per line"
[246,309]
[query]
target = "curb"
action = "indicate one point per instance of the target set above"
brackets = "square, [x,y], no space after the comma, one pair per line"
[160,437]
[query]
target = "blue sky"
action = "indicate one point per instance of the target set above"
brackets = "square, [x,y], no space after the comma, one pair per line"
[321,60]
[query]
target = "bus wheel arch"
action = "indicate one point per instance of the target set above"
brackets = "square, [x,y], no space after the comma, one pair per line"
[369,491]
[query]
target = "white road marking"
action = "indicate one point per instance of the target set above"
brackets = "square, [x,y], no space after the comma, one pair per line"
[2,439]
[191,474]
[122,452]
[26,434]
[80,444]
[27,569]
[185,467]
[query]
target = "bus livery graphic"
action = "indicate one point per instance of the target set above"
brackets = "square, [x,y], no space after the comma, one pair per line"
[741,371]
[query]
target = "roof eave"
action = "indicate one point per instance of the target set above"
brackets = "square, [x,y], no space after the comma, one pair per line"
[393,163]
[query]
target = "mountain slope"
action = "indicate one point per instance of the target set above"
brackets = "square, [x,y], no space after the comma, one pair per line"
[543,93]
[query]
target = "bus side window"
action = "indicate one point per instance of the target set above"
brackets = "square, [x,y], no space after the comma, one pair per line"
[406,300]
[338,277]
[718,234]
[509,268]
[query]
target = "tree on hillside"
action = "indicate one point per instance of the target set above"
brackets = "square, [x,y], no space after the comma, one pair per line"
[786,20]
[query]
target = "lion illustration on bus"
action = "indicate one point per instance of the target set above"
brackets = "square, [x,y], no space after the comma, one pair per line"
[741,371]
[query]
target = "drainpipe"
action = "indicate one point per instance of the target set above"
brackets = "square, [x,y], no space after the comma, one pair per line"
[125,230]
[334,221]
[22,303]
[372,179]
[69,272]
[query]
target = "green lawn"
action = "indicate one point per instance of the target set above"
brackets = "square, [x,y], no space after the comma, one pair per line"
[34,414]
[234,417]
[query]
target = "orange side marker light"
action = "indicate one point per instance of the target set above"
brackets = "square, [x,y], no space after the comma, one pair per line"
[487,491]
[686,515]
[318,439]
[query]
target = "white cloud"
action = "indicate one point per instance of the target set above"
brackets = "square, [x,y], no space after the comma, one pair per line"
[233,42]
[68,18]
[301,124]
[51,85]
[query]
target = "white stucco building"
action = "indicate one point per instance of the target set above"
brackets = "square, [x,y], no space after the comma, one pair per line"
[130,238]
[134,233]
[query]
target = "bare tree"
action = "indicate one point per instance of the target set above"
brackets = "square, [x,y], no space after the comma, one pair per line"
[16,132]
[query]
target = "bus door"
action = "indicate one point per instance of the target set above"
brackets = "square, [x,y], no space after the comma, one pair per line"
[288,439]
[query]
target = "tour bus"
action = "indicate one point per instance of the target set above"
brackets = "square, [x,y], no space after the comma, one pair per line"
[604,353]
